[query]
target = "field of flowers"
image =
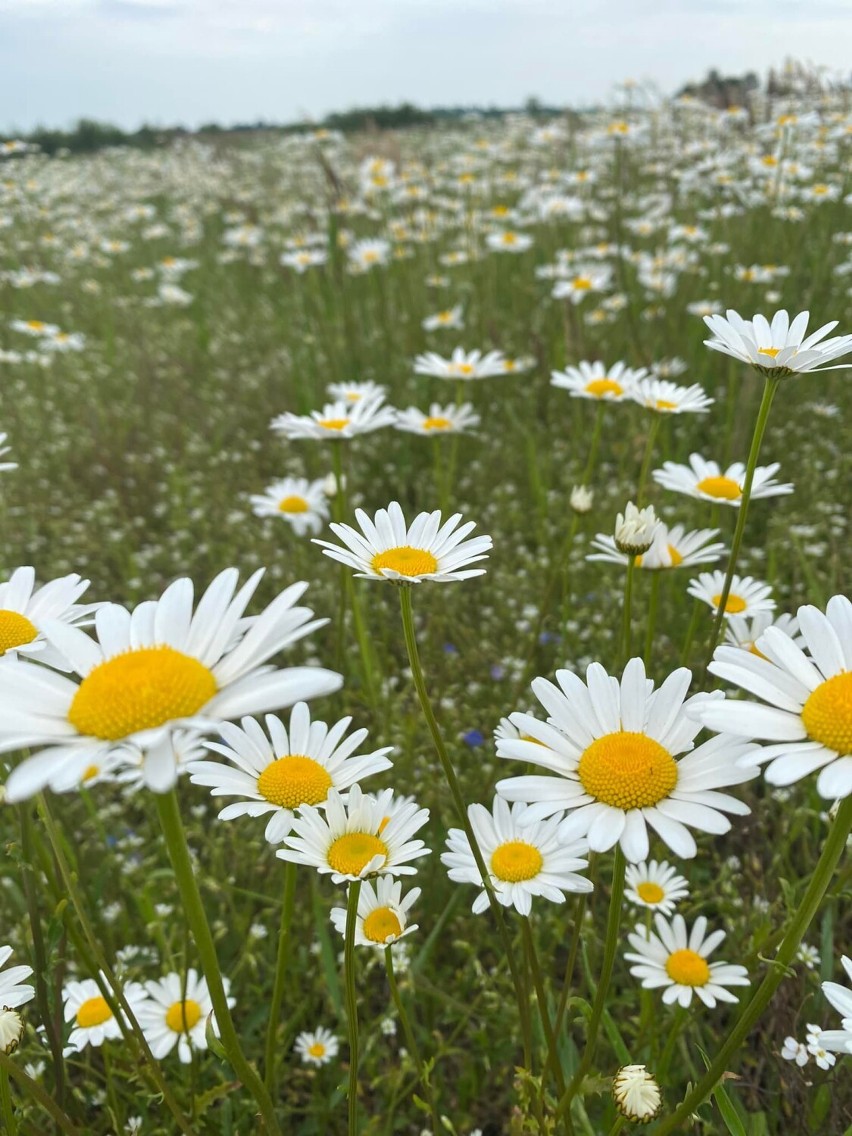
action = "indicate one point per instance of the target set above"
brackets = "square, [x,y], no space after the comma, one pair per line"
[426,694]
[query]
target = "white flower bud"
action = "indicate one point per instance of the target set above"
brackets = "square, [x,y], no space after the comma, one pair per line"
[635,529]
[636,1093]
[581,499]
[11,1029]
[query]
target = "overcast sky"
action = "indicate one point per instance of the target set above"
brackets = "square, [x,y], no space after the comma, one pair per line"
[193,61]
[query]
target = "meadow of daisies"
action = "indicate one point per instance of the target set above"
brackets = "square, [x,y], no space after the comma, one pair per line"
[426,692]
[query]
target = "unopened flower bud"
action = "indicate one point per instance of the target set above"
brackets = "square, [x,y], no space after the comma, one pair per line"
[11,1029]
[636,1093]
[581,499]
[635,529]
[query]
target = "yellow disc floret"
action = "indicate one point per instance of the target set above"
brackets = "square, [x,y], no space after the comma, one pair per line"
[650,892]
[182,1016]
[93,1012]
[827,714]
[294,780]
[317,1049]
[516,860]
[351,853]
[139,690]
[381,925]
[405,560]
[333,423]
[436,423]
[15,630]
[725,488]
[293,505]
[687,968]
[734,605]
[627,770]
[599,387]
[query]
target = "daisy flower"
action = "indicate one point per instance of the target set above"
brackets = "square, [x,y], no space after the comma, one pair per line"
[576,288]
[301,503]
[671,548]
[779,347]
[355,839]
[4,449]
[12,993]
[382,916]
[449,318]
[25,608]
[615,748]
[706,481]
[388,549]
[280,773]
[839,1041]
[176,1014]
[806,712]
[747,596]
[508,241]
[303,259]
[317,1048]
[336,421]
[461,365]
[597,381]
[449,419]
[655,885]
[664,397]
[744,633]
[94,1021]
[635,529]
[523,859]
[678,961]
[366,254]
[158,668]
[356,392]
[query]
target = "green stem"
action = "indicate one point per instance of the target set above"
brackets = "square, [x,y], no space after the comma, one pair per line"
[593,449]
[646,459]
[461,810]
[610,949]
[769,389]
[411,1041]
[617,1127]
[281,960]
[577,923]
[193,907]
[541,997]
[10,1125]
[112,989]
[833,849]
[653,603]
[352,1001]
[628,605]
[10,1068]
[697,607]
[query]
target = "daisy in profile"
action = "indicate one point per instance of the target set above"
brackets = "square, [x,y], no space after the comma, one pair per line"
[806,692]
[621,754]
[275,773]
[94,1021]
[149,672]
[337,421]
[451,419]
[176,1014]
[657,886]
[576,288]
[382,916]
[301,503]
[676,960]
[356,392]
[744,633]
[461,364]
[24,609]
[450,318]
[664,397]
[839,1041]
[706,481]
[507,240]
[779,347]
[671,548]
[317,1047]
[303,259]
[747,597]
[366,254]
[597,381]
[388,549]
[12,992]
[523,860]
[355,839]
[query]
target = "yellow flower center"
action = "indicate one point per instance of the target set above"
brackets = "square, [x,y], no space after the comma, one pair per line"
[351,853]
[581,283]
[827,714]
[687,968]
[139,690]
[294,780]
[733,605]
[317,1049]
[334,423]
[436,423]
[509,239]
[650,893]
[516,860]
[770,351]
[405,560]
[819,190]
[617,128]
[754,650]
[665,404]
[90,773]
[36,325]
[381,925]
[293,505]
[725,488]
[627,770]
[15,630]
[676,558]
[464,368]
[182,1016]
[599,387]
[93,1012]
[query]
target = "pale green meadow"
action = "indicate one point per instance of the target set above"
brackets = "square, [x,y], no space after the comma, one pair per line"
[629,907]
